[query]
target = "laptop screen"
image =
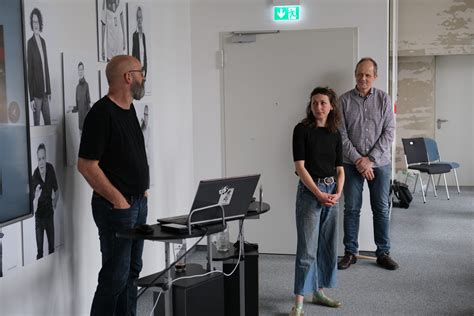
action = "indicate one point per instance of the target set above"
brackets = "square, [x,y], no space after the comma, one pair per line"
[234,194]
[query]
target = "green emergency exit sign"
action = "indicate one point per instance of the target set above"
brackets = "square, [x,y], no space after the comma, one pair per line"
[286,13]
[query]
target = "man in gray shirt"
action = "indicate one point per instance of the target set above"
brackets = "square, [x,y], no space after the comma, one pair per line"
[83,98]
[367,130]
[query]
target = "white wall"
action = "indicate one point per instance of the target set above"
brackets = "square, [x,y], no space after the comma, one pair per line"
[210,17]
[64,283]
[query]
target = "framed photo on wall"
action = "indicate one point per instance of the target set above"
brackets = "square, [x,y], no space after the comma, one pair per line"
[139,37]
[42,64]
[111,29]
[43,234]
[15,203]
[81,91]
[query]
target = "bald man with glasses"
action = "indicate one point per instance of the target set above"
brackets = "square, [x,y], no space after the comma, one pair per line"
[112,158]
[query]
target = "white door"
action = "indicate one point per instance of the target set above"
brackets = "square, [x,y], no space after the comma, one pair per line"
[267,85]
[455,115]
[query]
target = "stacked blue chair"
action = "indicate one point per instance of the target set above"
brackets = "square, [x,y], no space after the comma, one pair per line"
[433,156]
[416,157]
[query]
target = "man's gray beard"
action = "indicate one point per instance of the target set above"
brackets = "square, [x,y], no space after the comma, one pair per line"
[138,90]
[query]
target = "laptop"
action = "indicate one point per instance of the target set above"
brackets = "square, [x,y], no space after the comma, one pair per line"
[233,194]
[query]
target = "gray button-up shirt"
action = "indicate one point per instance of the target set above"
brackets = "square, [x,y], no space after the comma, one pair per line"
[367,126]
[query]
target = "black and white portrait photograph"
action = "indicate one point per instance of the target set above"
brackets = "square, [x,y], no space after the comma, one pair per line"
[139,32]
[42,233]
[42,65]
[39,83]
[111,29]
[81,91]
[144,111]
[10,248]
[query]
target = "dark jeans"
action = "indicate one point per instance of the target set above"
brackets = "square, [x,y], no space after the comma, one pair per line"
[41,107]
[121,258]
[43,224]
[379,189]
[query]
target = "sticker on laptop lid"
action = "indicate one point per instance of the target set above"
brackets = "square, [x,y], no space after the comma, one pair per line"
[225,195]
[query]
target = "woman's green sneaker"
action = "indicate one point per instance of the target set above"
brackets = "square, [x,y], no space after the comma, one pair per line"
[321,299]
[296,311]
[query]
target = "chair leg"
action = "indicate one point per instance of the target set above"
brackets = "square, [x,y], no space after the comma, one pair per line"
[457,182]
[422,191]
[446,185]
[428,185]
[416,181]
[439,179]
[434,186]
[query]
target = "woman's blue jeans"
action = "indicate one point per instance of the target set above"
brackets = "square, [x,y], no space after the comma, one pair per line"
[116,293]
[316,252]
[379,189]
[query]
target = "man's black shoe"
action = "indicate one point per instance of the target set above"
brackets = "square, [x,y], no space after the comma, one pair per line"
[385,261]
[346,261]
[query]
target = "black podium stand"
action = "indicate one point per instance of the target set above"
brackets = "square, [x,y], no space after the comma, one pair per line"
[190,295]
[241,288]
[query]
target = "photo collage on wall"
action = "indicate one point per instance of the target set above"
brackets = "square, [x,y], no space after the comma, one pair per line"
[43,233]
[61,87]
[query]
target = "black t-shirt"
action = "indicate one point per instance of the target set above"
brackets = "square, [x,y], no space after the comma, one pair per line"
[50,184]
[113,136]
[320,149]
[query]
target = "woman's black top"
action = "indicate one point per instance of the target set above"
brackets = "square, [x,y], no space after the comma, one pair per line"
[320,149]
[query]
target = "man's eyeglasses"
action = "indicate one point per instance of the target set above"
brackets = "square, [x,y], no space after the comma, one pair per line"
[142,71]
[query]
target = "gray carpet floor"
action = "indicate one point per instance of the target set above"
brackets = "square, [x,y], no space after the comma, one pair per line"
[432,242]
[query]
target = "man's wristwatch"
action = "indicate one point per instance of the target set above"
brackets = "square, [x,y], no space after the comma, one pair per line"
[371,158]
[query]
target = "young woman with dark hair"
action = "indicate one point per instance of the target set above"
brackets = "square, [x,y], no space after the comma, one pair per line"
[317,154]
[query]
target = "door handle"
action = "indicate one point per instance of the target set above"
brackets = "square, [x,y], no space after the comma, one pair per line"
[439,121]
